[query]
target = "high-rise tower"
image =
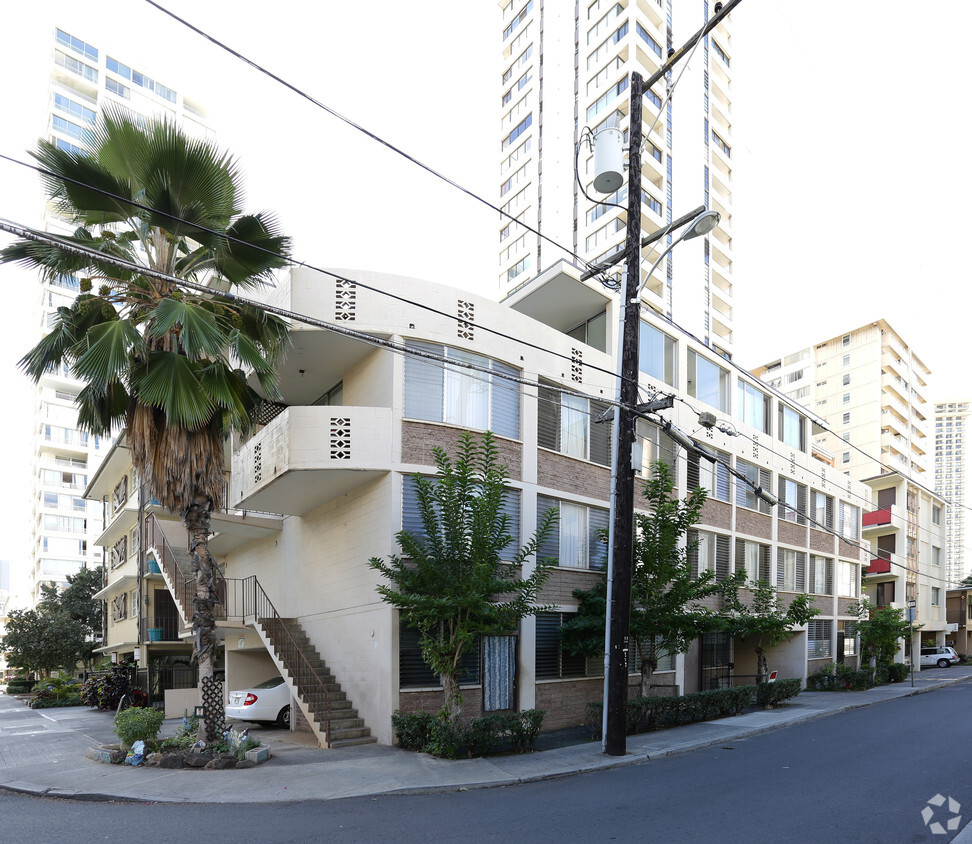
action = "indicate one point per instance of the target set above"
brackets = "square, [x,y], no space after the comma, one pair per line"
[84,80]
[566,69]
[953,459]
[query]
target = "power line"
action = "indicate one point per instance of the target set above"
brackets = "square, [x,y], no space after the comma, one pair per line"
[377,138]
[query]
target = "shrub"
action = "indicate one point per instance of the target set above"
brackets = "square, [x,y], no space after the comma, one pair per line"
[439,735]
[772,694]
[53,703]
[412,729]
[138,724]
[898,671]
[524,727]
[19,685]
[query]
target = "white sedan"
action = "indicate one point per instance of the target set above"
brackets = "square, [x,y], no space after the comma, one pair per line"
[264,703]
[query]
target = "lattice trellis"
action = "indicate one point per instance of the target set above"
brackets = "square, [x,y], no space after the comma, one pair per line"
[345,300]
[576,365]
[467,319]
[341,438]
[213,712]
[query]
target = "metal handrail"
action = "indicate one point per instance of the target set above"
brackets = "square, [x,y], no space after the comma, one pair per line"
[242,598]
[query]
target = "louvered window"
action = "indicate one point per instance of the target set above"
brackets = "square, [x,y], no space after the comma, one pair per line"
[567,424]
[754,559]
[709,552]
[552,662]
[823,510]
[412,515]
[414,671]
[652,445]
[819,643]
[469,398]
[850,521]
[793,501]
[577,540]
[821,580]
[791,570]
[849,629]
[745,493]
[712,477]
[666,661]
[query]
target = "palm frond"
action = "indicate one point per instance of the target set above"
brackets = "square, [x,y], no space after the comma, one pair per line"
[169,381]
[102,412]
[199,334]
[251,251]
[229,390]
[111,347]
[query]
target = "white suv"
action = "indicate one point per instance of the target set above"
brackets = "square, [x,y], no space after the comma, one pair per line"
[942,656]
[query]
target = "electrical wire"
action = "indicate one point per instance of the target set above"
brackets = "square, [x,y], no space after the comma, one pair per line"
[288,259]
[375,137]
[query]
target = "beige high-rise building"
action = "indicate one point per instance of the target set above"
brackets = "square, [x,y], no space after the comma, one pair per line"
[84,79]
[567,70]
[872,390]
[952,472]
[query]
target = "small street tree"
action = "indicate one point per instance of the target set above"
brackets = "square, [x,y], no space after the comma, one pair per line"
[457,580]
[764,618]
[40,641]
[881,629]
[77,603]
[667,613]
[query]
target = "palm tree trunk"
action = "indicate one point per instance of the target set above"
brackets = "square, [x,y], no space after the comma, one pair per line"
[197,522]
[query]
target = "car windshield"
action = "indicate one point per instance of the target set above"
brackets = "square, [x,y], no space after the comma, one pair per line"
[269,684]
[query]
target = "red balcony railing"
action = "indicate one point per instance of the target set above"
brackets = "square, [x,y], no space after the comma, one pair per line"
[879,566]
[877,517]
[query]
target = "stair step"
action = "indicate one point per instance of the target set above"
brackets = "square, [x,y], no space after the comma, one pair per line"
[339,724]
[351,742]
[319,697]
[353,733]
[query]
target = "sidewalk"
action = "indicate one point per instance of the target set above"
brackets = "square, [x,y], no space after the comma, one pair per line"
[42,753]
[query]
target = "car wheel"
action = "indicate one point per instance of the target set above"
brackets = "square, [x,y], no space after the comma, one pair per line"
[943,663]
[283,717]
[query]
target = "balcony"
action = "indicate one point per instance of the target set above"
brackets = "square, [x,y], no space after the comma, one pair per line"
[876,517]
[308,456]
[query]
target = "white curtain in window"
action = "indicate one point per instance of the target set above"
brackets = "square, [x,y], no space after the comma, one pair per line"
[466,394]
[752,561]
[574,421]
[573,535]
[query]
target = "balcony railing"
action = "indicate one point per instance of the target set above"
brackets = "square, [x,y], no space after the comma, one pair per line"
[877,517]
[879,566]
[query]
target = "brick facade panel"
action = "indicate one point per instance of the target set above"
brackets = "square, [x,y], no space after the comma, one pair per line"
[420,438]
[432,700]
[821,542]
[560,586]
[752,523]
[716,514]
[791,534]
[850,551]
[566,700]
[557,471]
[844,605]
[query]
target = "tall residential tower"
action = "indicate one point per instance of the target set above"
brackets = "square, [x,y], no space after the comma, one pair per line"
[566,70]
[84,80]
[953,459]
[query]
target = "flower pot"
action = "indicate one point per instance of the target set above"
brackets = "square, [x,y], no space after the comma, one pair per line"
[155,634]
[154,567]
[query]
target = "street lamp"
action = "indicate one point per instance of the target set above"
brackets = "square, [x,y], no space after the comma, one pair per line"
[702,224]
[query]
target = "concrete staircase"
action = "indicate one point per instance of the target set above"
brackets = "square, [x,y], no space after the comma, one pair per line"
[326,706]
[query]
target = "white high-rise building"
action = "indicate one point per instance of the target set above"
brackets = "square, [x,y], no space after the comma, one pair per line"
[84,80]
[567,69]
[952,473]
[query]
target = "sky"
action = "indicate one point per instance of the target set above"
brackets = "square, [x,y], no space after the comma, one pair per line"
[850,132]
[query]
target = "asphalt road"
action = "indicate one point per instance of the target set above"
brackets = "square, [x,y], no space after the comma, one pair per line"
[861,776]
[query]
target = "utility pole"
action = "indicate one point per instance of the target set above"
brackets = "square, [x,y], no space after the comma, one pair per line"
[622,530]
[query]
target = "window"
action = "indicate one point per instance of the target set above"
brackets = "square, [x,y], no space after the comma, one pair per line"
[754,559]
[850,521]
[848,579]
[413,671]
[821,580]
[116,66]
[513,24]
[845,457]
[845,341]
[116,87]
[133,603]
[848,631]
[713,477]
[656,354]
[754,407]
[818,639]
[745,493]
[936,515]
[566,424]
[845,361]
[793,501]
[845,399]
[708,552]
[936,596]
[76,110]
[412,515]
[552,661]
[936,556]
[577,541]
[793,428]
[592,331]
[72,64]
[845,379]
[845,419]
[459,396]
[518,130]
[823,510]
[791,570]
[76,44]
[720,52]
[651,42]
[651,445]
[708,382]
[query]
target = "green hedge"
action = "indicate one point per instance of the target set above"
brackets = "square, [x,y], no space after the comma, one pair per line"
[651,713]
[438,735]
[19,685]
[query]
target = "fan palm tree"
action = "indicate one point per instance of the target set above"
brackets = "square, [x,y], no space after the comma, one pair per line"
[168,363]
